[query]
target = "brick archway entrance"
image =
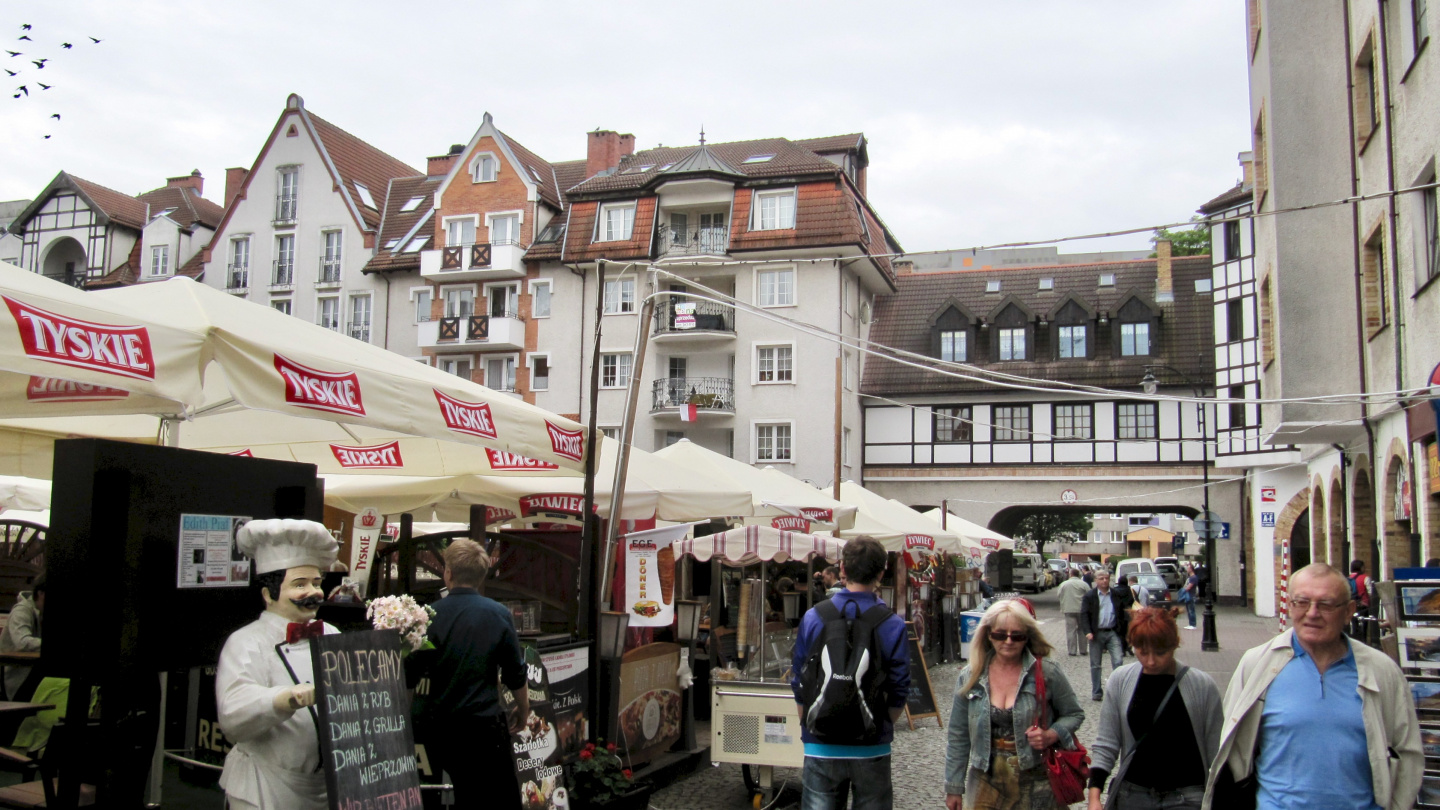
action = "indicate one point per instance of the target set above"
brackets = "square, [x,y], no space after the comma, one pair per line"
[1362,524]
[1284,530]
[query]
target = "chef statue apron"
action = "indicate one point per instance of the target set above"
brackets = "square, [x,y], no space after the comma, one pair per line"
[264,689]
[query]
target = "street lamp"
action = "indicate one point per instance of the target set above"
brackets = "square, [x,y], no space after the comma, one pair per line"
[1209,641]
[687,629]
[614,626]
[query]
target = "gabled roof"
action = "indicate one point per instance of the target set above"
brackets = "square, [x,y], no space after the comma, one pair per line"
[1238,195]
[788,160]
[540,170]
[533,170]
[190,208]
[833,143]
[701,161]
[404,226]
[109,204]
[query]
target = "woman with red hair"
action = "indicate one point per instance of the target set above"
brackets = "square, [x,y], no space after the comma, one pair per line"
[1159,724]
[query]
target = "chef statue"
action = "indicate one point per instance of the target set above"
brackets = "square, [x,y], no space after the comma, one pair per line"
[264,690]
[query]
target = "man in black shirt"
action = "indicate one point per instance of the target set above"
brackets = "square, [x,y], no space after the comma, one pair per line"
[460,717]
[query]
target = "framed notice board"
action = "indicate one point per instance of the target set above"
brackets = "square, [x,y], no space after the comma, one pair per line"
[921,701]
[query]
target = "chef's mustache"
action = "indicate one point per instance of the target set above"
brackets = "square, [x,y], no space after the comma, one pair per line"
[308,603]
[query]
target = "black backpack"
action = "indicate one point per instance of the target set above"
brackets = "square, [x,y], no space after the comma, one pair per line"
[842,675]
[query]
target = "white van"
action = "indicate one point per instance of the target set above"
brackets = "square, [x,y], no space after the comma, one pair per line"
[1027,573]
[1139,565]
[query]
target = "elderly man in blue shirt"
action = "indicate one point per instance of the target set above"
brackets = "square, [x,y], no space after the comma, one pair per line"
[1319,722]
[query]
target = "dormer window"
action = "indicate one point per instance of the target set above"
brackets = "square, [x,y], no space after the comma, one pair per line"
[953,346]
[1134,339]
[951,336]
[1136,328]
[1072,332]
[484,168]
[1011,335]
[616,222]
[774,210]
[1012,343]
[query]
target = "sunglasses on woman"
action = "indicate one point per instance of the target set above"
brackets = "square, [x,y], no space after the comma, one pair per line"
[1001,635]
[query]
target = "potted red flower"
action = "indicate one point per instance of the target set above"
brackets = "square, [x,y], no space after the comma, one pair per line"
[603,781]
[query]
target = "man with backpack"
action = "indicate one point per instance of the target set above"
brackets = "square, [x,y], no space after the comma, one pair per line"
[851,677]
[1360,592]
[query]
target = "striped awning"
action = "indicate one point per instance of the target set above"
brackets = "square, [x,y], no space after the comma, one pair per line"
[747,545]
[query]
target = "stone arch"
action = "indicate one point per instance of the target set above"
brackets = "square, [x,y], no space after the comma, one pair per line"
[1363,546]
[64,260]
[1319,525]
[1339,543]
[1285,526]
[1397,552]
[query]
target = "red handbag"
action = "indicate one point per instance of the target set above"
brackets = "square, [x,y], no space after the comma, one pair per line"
[1069,769]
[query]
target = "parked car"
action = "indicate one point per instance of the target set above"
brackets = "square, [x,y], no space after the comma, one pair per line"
[1136,565]
[1175,561]
[1159,593]
[1027,573]
[1170,572]
[1059,567]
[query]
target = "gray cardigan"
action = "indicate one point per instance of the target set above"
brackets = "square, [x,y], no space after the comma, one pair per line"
[1202,703]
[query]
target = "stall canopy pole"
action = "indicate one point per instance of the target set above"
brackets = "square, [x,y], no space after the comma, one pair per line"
[627,437]
[590,524]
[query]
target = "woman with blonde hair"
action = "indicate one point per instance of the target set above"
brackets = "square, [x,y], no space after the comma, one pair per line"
[994,759]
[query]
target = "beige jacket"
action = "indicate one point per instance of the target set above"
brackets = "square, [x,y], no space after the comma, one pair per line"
[1391,730]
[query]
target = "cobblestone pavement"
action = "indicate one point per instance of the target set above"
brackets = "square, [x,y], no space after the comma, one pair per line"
[918,761]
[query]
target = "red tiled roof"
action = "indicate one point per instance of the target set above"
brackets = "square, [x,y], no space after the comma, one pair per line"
[396,224]
[121,208]
[540,172]
[789,160]
[568,174]
[190,207]
[832,143]
[195,267]
[358,161]
[1228,199]
[579,240]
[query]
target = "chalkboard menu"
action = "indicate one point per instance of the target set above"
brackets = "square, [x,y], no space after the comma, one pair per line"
[363,707]
[921,701]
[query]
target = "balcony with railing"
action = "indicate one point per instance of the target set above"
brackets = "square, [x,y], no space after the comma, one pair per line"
[469,333]
[286,207]
[476,262]
[678,320]
[360,330]
[329,273]
[237,279]
[709,395]
[677,242]
[282,276]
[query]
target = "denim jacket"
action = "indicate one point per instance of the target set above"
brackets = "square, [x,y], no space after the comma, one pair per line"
[970,721]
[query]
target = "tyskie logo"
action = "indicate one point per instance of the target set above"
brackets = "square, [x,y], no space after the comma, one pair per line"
[305,387]
[473,418]
[919,541]
[241,453]
[566,443]
[791,524]
[501,460]
[372,457]
[51,389]
[120,350]
[552,504]
[818,515]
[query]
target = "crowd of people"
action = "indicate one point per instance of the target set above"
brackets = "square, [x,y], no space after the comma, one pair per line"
[1309,719]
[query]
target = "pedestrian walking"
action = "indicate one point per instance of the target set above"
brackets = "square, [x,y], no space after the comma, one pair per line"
[1203,572]
[1187,597]
[1160,725]
[994,760]
[1072,590]
[1360,592]
[852,675]
[1127,603]
[1314,720]
[1102,617]
[1139,593]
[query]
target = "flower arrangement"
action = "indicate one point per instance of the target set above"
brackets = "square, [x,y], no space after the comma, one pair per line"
[404,615]
[600,775]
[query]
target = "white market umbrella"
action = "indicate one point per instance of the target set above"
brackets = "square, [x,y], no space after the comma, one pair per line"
[748,545]
[972,535]
[773,494]
[18,493]
[895,525]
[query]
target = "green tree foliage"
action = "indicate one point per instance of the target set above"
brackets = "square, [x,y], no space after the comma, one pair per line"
[1042,527]
[1186,242]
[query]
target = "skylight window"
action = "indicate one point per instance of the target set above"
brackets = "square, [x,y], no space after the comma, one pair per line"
[639,169]
[412,204]
[417,244]
[1203,285]
[167,212]
[365,196]
[393,242]
[535,174]
[1047,283]
[992,286]
[1107,279]
[666,166]
[759,159]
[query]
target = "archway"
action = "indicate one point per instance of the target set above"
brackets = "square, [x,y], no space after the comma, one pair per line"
[1362,524]
[1319,541]
[1288,530]
[1398,551]
[1338,541]
[64,261]
[1300,552]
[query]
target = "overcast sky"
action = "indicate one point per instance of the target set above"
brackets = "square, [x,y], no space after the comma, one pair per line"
[987,122]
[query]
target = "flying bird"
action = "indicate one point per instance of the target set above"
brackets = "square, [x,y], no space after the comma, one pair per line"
[56,116]
[43,86]
[23,89]
[11,72]
[67,46]
[27,39]
[47,137]
[14,53]
[93,39]
[25,26]
[39,63]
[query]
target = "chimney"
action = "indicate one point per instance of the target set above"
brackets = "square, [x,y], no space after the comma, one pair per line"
[904,267]
[1164,279]
[603,150]
[1247,169]
[234,181]
[192,180]
[439,165]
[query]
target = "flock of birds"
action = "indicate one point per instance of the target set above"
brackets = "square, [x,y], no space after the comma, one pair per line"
[23,91]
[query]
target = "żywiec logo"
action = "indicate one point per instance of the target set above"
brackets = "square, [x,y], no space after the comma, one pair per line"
[305,387]
[466,417]
[120,350]
[791,524]
[818,515]
[501,460]
[990,543]
[566,443]
[552,504]
[919,541]
[372,457]
[494,514]
[51,389]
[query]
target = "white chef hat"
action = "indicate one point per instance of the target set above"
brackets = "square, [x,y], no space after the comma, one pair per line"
[276,545]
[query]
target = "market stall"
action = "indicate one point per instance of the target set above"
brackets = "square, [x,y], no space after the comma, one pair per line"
[778,500]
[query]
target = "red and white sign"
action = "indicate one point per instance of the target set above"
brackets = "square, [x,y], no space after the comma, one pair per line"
[501,460]
[241,453]
[818,515]
[552,504]
[566,443]
[1267,494]
[473,418]
[924,541]
[791,524]
[334,391]
[120,350]
[990,543]
[1069,496]
[494,514]
[689,412]
[52,389]
[372,457]
[368,524]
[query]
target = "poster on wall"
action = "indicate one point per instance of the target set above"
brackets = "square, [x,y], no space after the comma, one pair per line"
[649,716]
[208,556]
[535,749]
[569,697]
[1432,465]
[650,575]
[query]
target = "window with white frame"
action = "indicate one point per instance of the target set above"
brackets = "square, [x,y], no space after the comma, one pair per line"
[845,446]
[673,437]
[459,301]
[1012,343]
[1012,423]
[619,296]
[287,193]
[772,442]
[849,382]
[284,260]
[239,262]
[330,258]
[423,297]
[500,373]
[951,424]
[775,287]
[504,300]
[505,230]
[1072,342]
[773,364]
[774,210]
[281,305]
[539,372]
[953,346]
[1135,420]
[1134,339]
[1431,232]
[610,433]
[159,261]
[616,222]
[360,308]
[484,168]
[615,370]
[460,231]
[459,366]
[540,299]
[327,313]
[1074,422]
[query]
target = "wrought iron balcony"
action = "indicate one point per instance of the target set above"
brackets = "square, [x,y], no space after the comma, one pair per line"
[684,317]
[360,331]
[705,393]
[282,274]
[238,277]
[694,242]
[285,208]
[329,272]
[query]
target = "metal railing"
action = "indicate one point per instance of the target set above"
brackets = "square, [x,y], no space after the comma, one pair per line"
[705,393]
[285,208]
[282,273]
[674,316]
[360,331]
[329,271]
[694,242]
[238,277]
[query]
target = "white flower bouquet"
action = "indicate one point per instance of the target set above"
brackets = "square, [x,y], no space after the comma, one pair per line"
[403,615]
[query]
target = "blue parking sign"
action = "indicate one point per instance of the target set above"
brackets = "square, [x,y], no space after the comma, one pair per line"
[1267,520]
